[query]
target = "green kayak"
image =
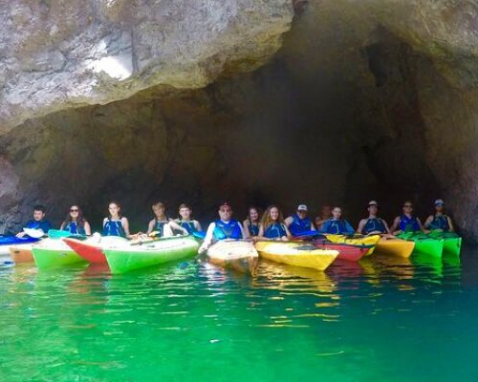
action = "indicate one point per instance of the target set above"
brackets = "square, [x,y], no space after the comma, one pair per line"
[424,244]
[451,242]
[54,254]
[128,257]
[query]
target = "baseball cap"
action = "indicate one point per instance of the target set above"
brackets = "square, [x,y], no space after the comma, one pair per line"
[372,203]
[439,202]
[302,207]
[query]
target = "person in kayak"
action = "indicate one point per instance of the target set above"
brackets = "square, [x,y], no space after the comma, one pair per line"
[299,223]
[224,228]
[38,222]
[161,224]
[272,225]
[251,224]
[115,224]
[75,223]
[336,225]
[439,221]
[185,220]
[373,224]
[407,222]
[325,215]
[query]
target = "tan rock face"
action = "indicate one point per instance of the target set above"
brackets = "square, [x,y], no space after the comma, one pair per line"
[365,100]
[56,54]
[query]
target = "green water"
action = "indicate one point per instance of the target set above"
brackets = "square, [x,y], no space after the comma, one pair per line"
[385,319]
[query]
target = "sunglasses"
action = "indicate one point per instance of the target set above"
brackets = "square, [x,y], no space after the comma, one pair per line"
[74,210]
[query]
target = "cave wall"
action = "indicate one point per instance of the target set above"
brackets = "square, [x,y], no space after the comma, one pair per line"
[365,100]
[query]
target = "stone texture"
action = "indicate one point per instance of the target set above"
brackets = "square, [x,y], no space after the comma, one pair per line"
[57,54]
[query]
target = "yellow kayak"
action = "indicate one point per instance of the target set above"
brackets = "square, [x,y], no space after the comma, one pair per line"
[356,240]
[395,247]
[297,254]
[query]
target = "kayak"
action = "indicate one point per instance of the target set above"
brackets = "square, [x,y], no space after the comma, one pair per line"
[346,251]
[127,257]
[238,255]
[22,253]
[451,242]
[8,241]
[51,253]
[297,254]
[356,240]
[395,247]
[92,249]
[424,244]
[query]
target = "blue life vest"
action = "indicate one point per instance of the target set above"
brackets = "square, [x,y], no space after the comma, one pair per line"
[298,225]
[253,229]
[440,222]
[275,230]
[229,230]
[374,225]
[188,226]
[75,229]
[113,228]
[409,224]
[159,226]
[44,225]
[337,227]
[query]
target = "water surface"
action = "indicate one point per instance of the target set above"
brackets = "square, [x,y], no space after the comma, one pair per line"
[382,319]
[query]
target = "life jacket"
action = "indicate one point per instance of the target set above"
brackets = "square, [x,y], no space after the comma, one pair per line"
[113,228]
[374,225]
[75,229]
[253,229]
[336,227]
[409,224]
[298,225]
[44,225]
[275,230]
[440,222]
[229,230]
[159,226]
[188,226]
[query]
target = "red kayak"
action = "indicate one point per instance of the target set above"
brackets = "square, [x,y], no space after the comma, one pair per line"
[92,250]
[346,251]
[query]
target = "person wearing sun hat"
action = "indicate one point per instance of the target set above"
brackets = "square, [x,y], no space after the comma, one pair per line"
[373,224]
[299,224]
[224,228]
[439,221]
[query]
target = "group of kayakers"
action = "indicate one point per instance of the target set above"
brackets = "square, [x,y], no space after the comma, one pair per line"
[269,225]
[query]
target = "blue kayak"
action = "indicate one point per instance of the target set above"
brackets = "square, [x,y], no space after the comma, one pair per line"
[13,240]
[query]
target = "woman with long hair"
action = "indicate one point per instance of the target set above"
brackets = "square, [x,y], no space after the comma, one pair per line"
[251,224]
[75,223]
[115,224]
[272,225]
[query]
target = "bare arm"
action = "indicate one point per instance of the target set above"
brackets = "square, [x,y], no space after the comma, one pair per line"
[208,239]
[395,225]
[245,234]
[287,232]
[428,221]
[62,227]
[125,224]
[87,228]
[150,226]
[450,224]
[197,225]
[386,227]
[361,225]
[422,227]
[288,221]
[177,227]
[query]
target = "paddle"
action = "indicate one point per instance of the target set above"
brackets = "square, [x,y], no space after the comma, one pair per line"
[35,233]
